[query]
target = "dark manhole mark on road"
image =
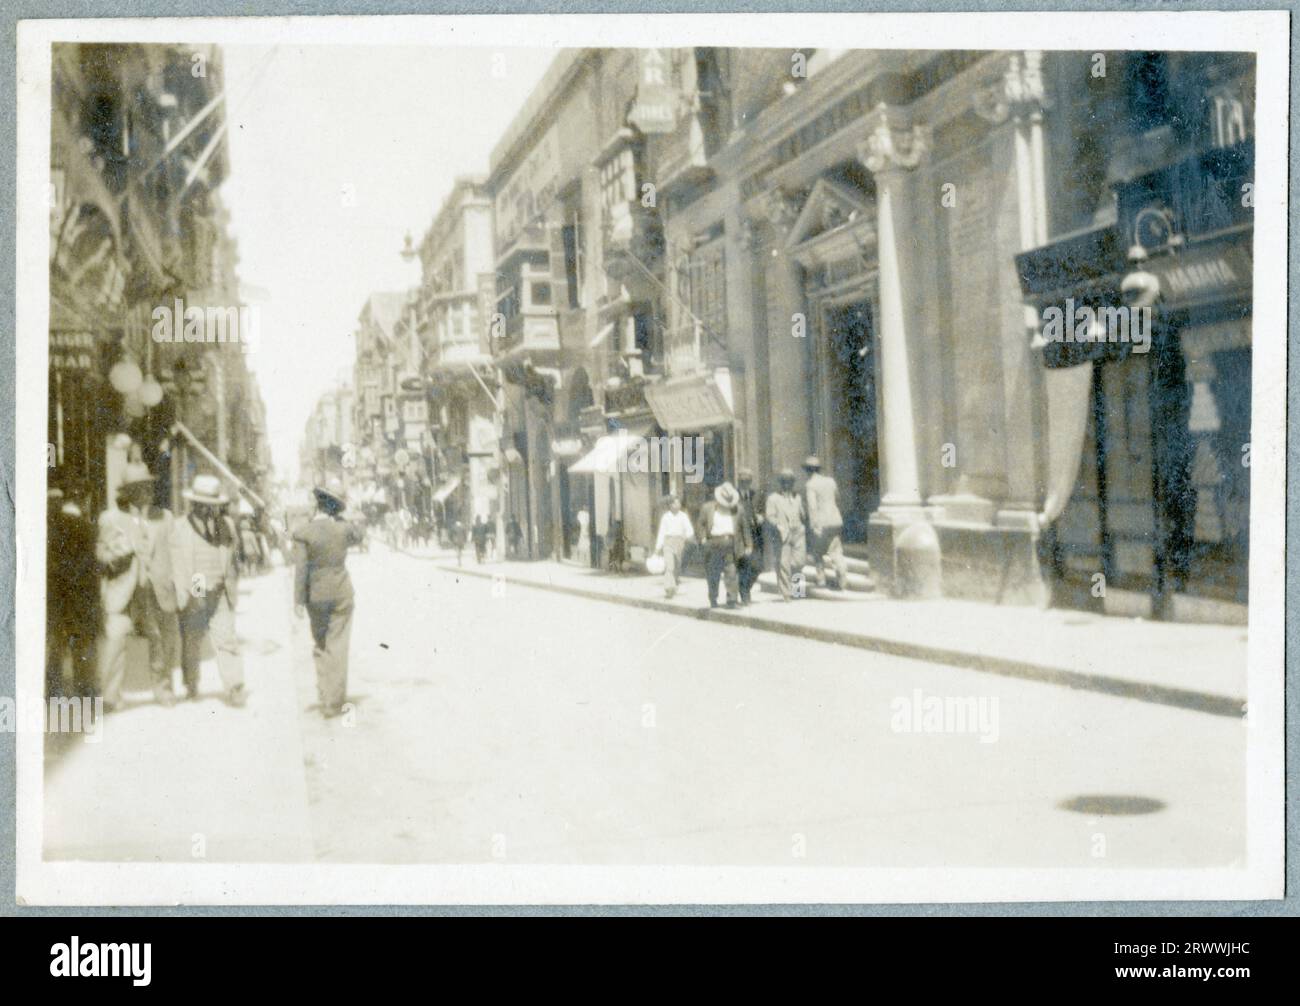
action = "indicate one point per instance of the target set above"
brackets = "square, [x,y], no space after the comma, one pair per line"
[1111,804]
[383,646]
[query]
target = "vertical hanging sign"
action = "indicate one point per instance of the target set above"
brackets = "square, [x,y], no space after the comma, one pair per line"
[655,109]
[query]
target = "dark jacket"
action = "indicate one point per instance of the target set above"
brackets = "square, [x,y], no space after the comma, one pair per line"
[320,556]
[71,571]
[751,506]
[744,537]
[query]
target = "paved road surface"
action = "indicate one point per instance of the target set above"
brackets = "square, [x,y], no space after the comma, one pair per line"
[528,726]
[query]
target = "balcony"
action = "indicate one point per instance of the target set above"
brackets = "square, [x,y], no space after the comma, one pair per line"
[530,323]
[453,333]
[634,246]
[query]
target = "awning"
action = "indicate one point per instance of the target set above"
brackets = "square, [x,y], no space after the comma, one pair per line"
[446,489]
[603,458]
[217,463]
[698,402]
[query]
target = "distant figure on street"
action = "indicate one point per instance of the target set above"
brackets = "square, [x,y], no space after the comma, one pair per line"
[514,535]
[480,536]
[457,534]
[726,539]
[675,531]
[204,578]
[323,591]
[785,514]
[72,602]
[137,589]
[748,567]
[825,524]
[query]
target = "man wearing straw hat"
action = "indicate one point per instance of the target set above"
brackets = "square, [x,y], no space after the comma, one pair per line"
[825,524]
[726,538]
[203,571]
[323,591]
[136,589]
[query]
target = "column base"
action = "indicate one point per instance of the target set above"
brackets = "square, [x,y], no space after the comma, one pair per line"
[994,561]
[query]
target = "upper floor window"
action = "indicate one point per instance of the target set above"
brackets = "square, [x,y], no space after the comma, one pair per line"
[618,179]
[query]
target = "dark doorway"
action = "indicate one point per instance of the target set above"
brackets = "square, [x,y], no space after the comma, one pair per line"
[851,441]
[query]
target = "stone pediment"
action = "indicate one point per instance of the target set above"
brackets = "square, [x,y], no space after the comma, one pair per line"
[829,207]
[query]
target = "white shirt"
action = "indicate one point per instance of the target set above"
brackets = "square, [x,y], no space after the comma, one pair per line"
[674,525]
[723,523]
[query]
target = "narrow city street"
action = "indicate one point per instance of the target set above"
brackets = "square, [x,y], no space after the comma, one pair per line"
[492,722]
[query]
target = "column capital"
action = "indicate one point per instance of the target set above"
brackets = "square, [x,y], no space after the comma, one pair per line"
[892,143]
[1018,90]
[780,208]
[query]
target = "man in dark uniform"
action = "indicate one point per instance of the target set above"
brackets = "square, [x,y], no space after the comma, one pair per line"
[323,590]
[750,565]
[72,605]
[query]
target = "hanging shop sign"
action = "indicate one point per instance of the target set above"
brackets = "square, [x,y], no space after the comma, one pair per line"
[697,402]
[73,351]
[655,108]
[1204,275]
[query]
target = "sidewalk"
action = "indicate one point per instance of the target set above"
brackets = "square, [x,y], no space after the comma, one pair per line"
[1201,667]
[200,781]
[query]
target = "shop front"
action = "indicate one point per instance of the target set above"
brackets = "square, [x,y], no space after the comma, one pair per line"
[1149,395]
[695,411]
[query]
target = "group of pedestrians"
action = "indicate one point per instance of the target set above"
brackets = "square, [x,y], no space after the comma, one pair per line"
[138,569]
[174,581]
[737,523]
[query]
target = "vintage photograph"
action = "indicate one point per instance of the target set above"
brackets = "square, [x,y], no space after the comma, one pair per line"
[469,452]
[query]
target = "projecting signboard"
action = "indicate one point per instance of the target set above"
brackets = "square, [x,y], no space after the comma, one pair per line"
[692,403]
[655,109]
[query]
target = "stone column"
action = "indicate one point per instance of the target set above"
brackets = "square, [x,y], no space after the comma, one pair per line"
[790,384]
[1015,103]
[742,336]
[890,151]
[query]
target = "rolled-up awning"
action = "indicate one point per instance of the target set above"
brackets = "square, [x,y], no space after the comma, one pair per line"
[217,463]
[446,489]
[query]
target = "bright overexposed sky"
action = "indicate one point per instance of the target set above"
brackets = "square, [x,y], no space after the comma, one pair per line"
[336,152]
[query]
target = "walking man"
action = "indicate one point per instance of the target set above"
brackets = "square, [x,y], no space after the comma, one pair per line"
[726,538]
[674,532]
[72,601]
[480,536]
[323,591]
[785,513]
[203,547]
[748,567]
[137,591]
[825,524]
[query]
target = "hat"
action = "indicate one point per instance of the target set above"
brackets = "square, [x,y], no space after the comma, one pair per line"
[813,463]
[206,489]
[726,496]
[745,474]
[136,473]
[785,475]
[332,492]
